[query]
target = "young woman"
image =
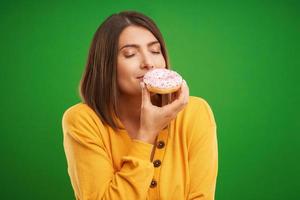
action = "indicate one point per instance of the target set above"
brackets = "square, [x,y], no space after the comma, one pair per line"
[123,142]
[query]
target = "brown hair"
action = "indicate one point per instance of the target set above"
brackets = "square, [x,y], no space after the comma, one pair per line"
[98,86]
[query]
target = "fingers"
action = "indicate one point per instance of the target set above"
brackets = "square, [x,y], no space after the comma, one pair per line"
[181,101]
[183,95]
[145,95]
[174,95]
[185,92]
[178,93]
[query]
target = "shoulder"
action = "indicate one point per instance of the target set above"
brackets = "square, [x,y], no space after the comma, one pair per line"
[197,101]
[198,122]
[81,118]
[199,109]
[81,108]
[77,112]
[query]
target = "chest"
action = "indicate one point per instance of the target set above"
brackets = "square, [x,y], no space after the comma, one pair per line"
[170,161]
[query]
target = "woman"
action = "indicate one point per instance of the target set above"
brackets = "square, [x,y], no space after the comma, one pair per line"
[123,142]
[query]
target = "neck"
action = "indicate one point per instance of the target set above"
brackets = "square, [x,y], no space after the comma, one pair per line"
[129,107]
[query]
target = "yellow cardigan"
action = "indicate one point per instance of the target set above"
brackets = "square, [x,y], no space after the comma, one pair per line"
[105,164]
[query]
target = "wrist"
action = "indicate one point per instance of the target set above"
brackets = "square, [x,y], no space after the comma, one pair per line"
[145,137]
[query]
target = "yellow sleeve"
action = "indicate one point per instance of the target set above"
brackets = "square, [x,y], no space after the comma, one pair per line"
[203,153]
[90,168]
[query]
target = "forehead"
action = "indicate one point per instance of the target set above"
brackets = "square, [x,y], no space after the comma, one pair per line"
[136,35]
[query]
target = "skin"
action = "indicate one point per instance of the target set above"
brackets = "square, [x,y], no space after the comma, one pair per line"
[139,52]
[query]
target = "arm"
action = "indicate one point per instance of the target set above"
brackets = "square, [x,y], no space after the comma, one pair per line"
[203,154]
[90,167]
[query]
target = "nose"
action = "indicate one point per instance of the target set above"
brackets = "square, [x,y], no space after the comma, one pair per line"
[148,66]
[147,62]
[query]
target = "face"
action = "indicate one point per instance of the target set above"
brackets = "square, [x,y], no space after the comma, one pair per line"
[139,51]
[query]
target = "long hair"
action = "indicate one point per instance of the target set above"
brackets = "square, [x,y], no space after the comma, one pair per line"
[98,86]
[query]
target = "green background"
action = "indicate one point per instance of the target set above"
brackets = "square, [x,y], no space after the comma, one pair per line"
[241,56]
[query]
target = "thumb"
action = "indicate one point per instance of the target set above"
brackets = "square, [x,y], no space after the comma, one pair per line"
[145,94]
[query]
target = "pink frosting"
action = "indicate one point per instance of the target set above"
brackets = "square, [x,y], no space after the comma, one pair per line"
[162,78]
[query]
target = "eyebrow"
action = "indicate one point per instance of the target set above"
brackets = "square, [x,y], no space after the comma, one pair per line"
[137,46]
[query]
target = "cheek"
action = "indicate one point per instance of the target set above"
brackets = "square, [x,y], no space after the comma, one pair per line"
[122,75]
[125,76]
[122,82]
[122,69]
[160,61]
[125,67]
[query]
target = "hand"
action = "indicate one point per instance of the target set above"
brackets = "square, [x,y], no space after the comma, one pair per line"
[153,119]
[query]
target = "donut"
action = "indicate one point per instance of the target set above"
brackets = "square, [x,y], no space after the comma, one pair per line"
[162,81]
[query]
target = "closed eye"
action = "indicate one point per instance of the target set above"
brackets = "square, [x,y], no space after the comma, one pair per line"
[129,56]
[156,52]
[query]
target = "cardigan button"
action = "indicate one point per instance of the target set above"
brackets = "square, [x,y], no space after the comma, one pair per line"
[160,144]
[157,163]
[153,183]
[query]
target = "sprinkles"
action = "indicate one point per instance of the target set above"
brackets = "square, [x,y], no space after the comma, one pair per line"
[163,78]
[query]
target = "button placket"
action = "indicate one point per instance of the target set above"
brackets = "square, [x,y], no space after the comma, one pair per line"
[153,183]
[158,157]
[157,163]
[160,144]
